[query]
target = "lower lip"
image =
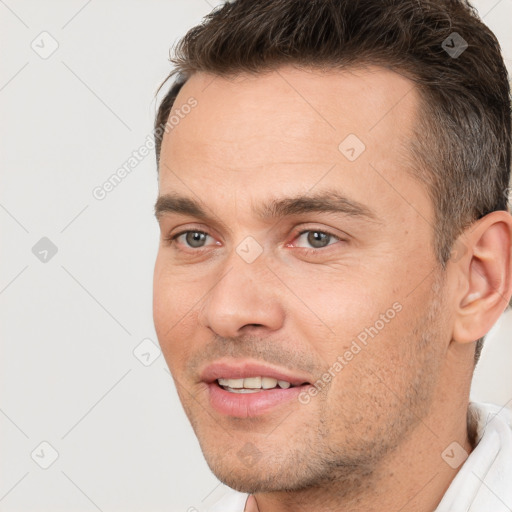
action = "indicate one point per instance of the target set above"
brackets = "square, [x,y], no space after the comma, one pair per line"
[249,405]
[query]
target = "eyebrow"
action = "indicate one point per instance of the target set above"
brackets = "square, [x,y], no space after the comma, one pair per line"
[328,201]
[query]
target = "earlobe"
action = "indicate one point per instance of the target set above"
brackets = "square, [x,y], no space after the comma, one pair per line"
[486,276]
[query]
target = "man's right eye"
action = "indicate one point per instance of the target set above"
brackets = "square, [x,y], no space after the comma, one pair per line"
[192,239]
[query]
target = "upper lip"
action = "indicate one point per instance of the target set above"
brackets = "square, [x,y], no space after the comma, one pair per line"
[243,368]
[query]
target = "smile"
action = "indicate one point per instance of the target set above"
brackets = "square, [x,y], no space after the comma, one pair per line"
[252,384]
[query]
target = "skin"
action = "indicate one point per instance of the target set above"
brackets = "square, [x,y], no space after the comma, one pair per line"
[372,438]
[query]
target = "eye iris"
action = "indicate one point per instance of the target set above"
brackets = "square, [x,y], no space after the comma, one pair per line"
[317,239]
[195,238]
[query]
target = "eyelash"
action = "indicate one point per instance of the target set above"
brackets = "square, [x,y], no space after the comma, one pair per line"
[171,239]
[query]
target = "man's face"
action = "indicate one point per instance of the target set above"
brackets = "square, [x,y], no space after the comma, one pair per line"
[339,296]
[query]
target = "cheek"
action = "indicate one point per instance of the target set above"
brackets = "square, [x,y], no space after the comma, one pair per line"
[366,328]
[341,306]
[175,305]
[175,292]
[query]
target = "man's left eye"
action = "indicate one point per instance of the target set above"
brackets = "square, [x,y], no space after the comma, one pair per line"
[315,239]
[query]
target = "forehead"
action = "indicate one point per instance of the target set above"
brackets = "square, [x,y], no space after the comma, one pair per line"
[290,129]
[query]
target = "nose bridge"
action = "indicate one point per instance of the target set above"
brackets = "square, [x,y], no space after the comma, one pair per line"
[243,294]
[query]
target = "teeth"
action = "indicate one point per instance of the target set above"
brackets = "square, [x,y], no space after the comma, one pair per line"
[242,390]
[268,382]
[249,384]
[252,382]
[232,383]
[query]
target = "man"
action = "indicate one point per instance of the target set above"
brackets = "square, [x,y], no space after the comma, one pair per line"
[333,182]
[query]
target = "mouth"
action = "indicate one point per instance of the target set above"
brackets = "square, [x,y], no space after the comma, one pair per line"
[254,384]
[245,389]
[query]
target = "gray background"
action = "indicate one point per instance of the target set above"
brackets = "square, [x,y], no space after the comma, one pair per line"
[80,368]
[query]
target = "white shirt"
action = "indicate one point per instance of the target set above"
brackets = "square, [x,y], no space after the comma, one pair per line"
[482,484]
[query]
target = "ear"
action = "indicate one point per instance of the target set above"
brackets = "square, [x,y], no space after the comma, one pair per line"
[485,269]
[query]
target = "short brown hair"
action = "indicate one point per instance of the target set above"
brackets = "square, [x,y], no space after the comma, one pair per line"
[461,148]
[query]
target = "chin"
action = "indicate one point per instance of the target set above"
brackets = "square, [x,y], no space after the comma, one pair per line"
[251,482]
[263,475]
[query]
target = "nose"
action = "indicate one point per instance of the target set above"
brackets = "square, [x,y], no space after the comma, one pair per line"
[245,297]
